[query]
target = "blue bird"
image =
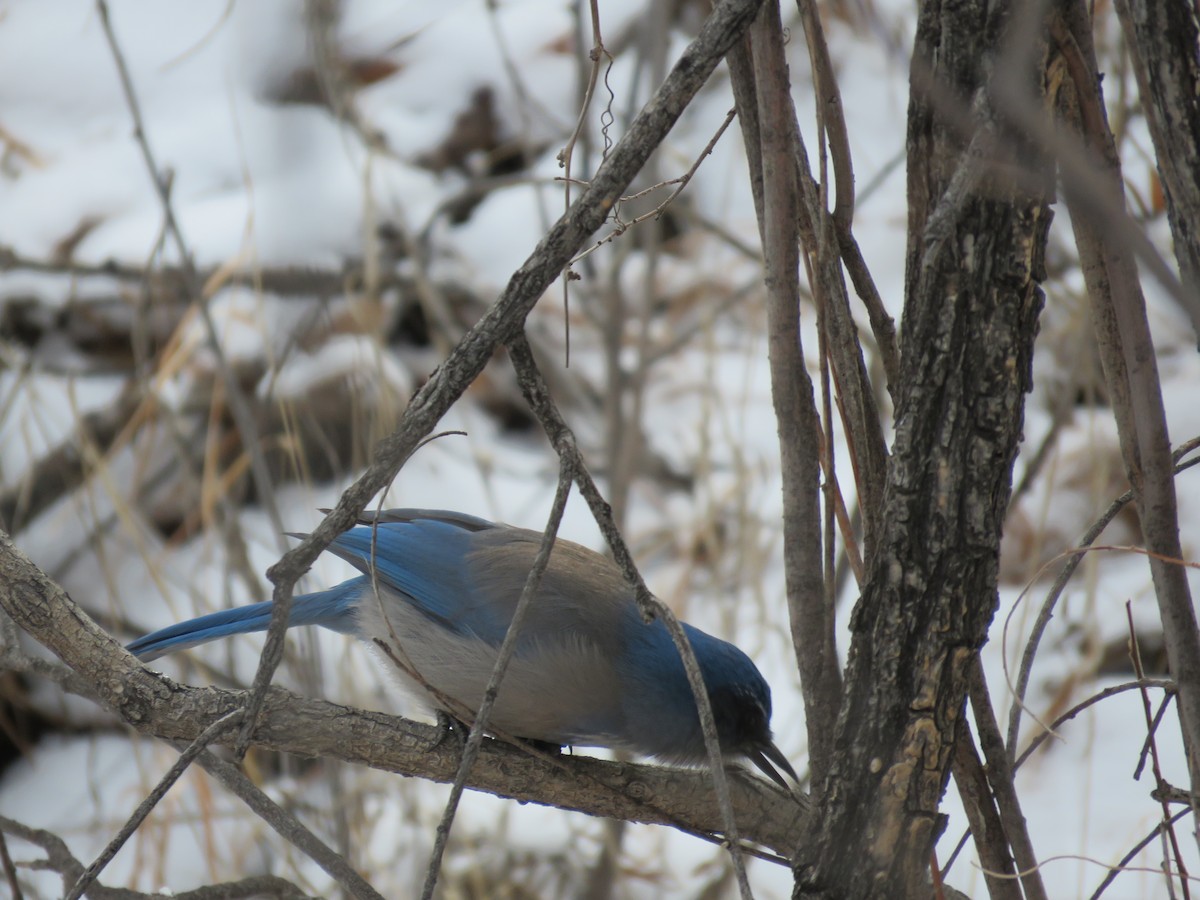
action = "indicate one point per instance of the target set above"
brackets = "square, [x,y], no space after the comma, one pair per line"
[587,670]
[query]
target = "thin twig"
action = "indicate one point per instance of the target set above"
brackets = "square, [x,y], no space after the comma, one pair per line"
[60,859]
[10,871]
[833,508]
[1088,859]
[507,648]
[537,395]
[1165,684]
[831,123]
[288,826]
[596,54]
[1060,582]
[1000,777]
[1141,845]
[58,855]
[193,750]
[504,318]
[567,154]
[1163,706]
[1075,710]
[1135,654]
[657,213]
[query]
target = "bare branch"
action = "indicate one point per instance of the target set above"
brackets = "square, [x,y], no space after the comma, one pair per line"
[1000,777]
[287,826]
[533,386]
[507,648]
[1046,613]
[151,800]
[1119,314]
[504,319]
[986,827]
[60,859]
[157,706]
[1160,783]
[1163,38]
[767,118]
[978,217]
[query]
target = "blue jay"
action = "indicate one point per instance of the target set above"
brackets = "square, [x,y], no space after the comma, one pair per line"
[587,670]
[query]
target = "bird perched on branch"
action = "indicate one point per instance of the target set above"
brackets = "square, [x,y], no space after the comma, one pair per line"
[437,595]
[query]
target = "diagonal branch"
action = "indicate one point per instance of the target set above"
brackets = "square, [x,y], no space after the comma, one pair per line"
[504,319]
[1123,333]
[157,706]
[1163,39]
[537,395]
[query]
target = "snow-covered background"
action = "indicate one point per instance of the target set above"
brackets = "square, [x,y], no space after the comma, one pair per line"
[342,251]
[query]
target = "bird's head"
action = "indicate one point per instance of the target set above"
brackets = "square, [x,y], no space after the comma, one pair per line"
[741,703]
[742,712]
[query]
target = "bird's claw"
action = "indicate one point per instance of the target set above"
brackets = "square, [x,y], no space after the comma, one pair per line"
[450,727]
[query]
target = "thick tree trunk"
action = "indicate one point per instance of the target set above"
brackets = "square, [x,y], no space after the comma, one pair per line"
[977,229]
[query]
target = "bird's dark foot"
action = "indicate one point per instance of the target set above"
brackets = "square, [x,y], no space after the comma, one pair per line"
[451,729]
[547,747]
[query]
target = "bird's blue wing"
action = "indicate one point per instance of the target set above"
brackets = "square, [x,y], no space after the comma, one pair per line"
[462,520]
[426,559]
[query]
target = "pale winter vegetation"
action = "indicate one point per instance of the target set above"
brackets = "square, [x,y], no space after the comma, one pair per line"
[867,329]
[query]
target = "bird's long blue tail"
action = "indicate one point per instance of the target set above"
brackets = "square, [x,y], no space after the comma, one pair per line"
[333,609]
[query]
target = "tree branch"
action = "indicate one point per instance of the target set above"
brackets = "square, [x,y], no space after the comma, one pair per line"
[157,706]
[977,226]
[1163,39]
[504,319]
[1131,372]
[767,117]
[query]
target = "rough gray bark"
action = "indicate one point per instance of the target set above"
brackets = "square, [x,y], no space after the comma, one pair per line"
[977,226]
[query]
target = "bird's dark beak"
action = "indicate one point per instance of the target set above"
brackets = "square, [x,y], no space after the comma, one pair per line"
[767,753]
